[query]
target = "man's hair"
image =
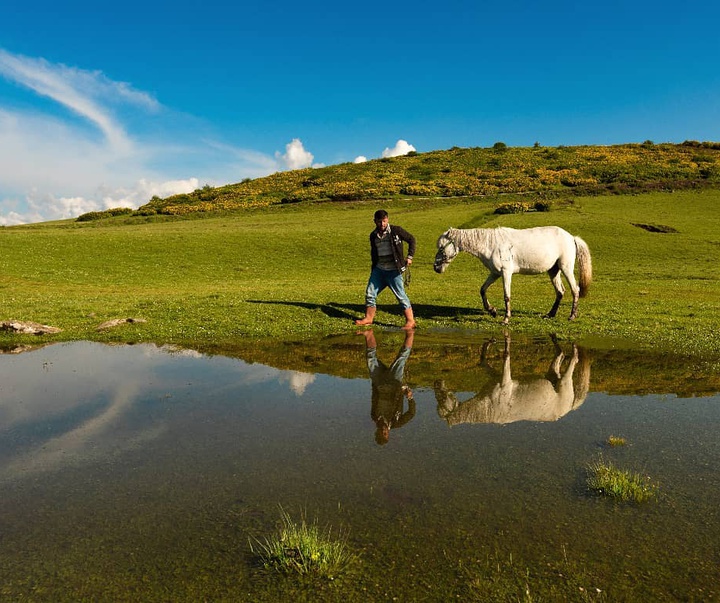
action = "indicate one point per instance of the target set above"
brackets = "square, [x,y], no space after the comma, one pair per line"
[380,214]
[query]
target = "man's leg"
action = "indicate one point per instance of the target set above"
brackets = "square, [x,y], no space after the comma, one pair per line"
[398,288]
[376,283]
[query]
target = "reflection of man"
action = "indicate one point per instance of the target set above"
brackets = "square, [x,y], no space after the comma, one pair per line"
[388,390]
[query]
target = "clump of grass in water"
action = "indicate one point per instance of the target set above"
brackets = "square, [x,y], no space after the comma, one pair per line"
[615,441]
[626,486]
[304,548]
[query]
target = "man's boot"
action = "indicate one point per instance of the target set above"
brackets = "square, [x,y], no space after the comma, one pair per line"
[369,316]
[409,320]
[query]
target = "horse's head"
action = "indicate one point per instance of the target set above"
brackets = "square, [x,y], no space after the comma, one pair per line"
[446,252]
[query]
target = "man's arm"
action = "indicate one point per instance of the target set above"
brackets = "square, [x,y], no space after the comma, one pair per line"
[410,240]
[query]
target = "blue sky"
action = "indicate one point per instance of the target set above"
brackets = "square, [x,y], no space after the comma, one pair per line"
[107,106]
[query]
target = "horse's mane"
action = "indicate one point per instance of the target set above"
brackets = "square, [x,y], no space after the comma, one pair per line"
[475,240]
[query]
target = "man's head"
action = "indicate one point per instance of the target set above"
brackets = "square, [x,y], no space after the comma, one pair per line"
[382,433]
[381,219]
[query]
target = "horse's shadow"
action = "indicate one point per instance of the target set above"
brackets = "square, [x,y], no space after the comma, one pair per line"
[353,311]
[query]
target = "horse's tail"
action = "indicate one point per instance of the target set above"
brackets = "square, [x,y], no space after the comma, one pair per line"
[584,265]
[582,386]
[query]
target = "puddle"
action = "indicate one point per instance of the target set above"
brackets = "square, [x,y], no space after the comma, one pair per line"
[456,466]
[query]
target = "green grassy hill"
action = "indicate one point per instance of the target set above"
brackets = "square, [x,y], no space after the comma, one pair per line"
[257,268]
[500,171]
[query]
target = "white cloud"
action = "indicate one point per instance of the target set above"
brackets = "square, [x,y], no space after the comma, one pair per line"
[401,148]
[85,93]
[295,157]
[360,159]
[91,148]
[44,207]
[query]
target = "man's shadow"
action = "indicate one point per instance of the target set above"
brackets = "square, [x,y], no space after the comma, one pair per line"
[353,311]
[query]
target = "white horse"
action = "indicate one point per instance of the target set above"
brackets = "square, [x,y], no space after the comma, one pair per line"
[507,251]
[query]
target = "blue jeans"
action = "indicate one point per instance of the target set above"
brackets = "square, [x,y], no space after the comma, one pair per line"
[379,280]
[380,374]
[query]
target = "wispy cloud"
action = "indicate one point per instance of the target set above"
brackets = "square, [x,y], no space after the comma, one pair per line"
[83,92]
[90,148]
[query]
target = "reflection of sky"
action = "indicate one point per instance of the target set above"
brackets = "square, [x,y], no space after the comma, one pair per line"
[69,403]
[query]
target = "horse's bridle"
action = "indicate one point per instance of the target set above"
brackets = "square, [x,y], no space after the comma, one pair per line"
[442,252]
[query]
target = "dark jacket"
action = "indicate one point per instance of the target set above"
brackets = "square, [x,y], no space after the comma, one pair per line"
[398,235]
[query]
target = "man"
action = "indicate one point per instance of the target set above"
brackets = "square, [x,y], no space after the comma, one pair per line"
[388,265]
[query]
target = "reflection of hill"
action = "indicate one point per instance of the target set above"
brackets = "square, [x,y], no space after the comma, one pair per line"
[455,358]
[632,373]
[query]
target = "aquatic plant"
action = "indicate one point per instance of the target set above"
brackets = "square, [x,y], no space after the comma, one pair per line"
[627,486]
[304,548]
[507,577]
[615,441]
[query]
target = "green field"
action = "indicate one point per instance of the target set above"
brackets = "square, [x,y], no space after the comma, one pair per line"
[291,270]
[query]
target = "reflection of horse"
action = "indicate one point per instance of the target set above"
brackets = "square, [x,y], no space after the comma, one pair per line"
[508,400]
[507,251]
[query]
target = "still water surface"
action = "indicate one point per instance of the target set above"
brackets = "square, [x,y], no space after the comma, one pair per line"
[455,466]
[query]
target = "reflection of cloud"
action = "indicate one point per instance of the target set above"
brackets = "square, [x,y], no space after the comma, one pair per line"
[94,438]
[174,350]
[68,404]
[299,381]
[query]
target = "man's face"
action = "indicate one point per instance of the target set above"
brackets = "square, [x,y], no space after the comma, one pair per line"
[382,224]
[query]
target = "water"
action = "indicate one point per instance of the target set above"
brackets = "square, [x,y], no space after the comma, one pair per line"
[141,473]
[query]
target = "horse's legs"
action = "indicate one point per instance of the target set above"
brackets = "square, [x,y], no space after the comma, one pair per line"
[507,282]
[554,373]
[565,386]
[506,374]
[570,276]
[556,280]
[492,277]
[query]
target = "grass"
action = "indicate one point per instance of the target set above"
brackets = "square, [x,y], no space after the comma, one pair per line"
[304,548]
[616,441]
[296,270]
[623,485]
